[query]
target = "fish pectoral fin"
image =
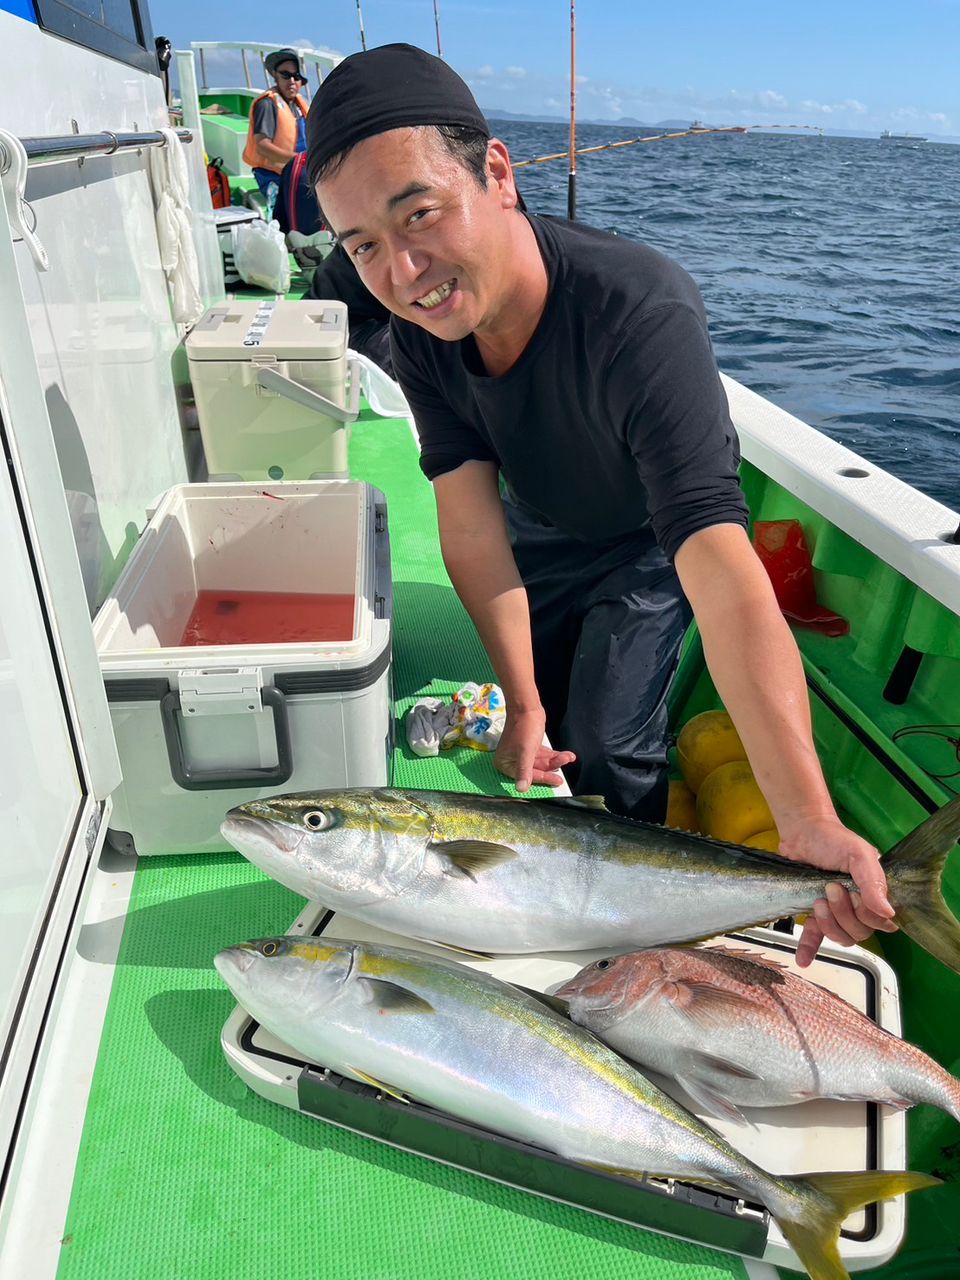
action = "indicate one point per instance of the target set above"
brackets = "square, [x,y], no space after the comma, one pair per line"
[713,1102]
[702,1002]
[390,998]
[578,802]
[471,858]
[374,1083]
[724,1066]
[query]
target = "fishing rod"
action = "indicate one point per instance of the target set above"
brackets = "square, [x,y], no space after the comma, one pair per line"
[572,150]
[436,23]
[652,137]
[363,34]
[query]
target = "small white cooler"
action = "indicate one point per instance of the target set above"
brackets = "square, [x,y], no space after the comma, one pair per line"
[201,728]
[270,380]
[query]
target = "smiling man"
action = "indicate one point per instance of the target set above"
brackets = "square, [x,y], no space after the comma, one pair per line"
[576,366]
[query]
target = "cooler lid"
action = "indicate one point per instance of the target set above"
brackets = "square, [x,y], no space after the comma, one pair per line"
[233,215]
[237,330]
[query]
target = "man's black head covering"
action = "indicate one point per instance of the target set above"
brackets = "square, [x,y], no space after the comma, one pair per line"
[393,87]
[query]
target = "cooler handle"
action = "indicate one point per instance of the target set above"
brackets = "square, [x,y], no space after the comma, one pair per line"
[213,779]
[280,385]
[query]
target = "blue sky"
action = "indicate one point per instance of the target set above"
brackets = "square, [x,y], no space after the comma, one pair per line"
[847,64]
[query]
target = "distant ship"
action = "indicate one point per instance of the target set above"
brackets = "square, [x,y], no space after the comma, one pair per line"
[887,136]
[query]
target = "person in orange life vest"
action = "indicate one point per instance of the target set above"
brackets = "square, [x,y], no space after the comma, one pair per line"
[278,120]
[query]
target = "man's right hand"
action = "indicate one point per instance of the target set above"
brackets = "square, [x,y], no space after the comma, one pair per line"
[522,755]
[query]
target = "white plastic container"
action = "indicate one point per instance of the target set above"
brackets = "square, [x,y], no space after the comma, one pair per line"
[270,383]
[201,728]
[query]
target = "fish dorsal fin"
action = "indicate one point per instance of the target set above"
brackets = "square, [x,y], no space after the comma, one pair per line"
[391,998]
[471,858]
[752,957]
[556,1003]
[374,1083]
[702,1002]
[578,802]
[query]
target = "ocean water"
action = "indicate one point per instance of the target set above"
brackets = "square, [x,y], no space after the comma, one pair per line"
[830,269]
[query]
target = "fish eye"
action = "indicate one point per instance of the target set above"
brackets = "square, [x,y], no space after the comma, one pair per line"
[269,948]
[604,964]
[317,820]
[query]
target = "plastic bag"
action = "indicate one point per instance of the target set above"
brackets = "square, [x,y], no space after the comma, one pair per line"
[260,255]
[383,394]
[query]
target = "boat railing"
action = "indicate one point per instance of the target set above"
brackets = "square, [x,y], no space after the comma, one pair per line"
[75,146]
[323,59]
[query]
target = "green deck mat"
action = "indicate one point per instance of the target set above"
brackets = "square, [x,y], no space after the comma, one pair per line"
[185,1174]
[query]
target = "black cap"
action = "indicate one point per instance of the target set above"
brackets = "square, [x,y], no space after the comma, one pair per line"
[273,60]
[392,87]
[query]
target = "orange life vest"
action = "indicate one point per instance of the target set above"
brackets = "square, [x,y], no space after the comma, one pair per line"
[285,136]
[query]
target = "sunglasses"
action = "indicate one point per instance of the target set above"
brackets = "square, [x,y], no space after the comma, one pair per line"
[291,75]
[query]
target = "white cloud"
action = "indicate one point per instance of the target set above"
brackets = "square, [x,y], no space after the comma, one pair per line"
[517,72]
[770,99]
[484,73]
[552,102]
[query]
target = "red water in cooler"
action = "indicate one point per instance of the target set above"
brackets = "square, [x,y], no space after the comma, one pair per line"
[268,617]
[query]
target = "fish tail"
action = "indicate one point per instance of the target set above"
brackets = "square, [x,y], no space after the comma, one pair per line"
[913,869]
[826,1200]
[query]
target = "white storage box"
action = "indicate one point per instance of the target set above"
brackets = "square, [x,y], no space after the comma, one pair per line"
[202,727]
[270,383]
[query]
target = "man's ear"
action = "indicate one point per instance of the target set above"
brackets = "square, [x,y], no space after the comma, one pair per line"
[500,172]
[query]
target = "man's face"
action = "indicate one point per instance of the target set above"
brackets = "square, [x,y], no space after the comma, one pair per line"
[287,76]
[428,241]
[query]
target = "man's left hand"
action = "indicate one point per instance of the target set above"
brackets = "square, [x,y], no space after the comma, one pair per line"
[844,917]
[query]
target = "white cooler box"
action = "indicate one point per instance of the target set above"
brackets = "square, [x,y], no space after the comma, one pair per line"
[270,379]
[201,728]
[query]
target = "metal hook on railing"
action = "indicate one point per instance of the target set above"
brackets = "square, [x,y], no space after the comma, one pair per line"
[13,173]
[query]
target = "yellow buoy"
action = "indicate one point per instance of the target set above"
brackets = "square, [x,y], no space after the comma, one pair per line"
[704,743]
[730,804]
[682,807]
[769,840]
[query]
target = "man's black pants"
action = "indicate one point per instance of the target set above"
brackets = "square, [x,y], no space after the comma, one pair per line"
[607,621]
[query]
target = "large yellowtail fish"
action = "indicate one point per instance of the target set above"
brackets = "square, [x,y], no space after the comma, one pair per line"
[738,1030]
[502,875]
[465,1042]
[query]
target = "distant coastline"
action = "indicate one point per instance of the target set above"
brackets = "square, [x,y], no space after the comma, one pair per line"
[631,122]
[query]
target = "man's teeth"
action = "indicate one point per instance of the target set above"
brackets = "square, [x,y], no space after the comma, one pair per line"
[436,296]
